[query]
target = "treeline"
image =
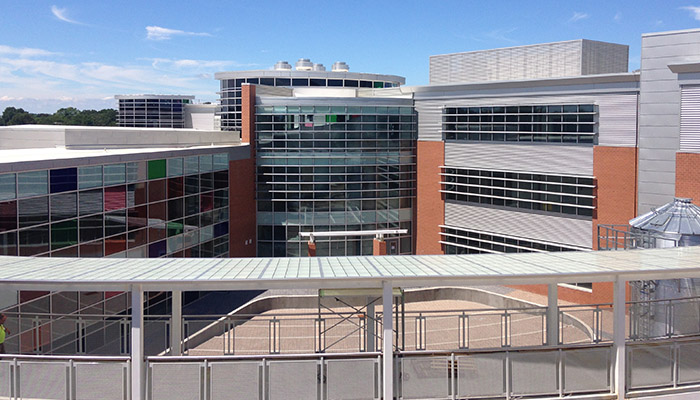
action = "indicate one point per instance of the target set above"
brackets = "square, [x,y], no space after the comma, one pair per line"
[64,116]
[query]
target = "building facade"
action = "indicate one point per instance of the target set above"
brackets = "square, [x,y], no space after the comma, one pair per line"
[166,200]
[152,110]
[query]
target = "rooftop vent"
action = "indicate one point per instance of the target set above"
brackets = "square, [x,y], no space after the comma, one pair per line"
[319,67]
[282,66]
[304,64]
[340,66]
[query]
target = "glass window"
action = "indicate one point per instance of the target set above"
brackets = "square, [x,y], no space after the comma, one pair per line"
[90,201]
[90,177]
[206,182]
[220,179]
[115,174]
[137,217]
[192,184]
[64,206]
[157,249]
[175,166]
[8,186]
[191,165]
[115,198]
[205,163]
[175,209]
[8,216]
[33,183]
[156,169]
[137,238]
[91,250]
[34,241]
[115,222]
[91,228]
[115,244]
[136,171]
[33,211]
[63,180]
[220,161]
[157,190]
[206,202]
[175,188]
[157,212]
[64,234]
[8,244]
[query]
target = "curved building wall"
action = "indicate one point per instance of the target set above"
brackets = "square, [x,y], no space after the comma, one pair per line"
[231,83]
[333,165]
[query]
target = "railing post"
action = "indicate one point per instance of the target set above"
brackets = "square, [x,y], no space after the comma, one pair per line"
[552,314]
[387,337]
[138,370]
[176,324]
[619,337]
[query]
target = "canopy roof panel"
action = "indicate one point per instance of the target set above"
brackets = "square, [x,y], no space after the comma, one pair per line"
[337,272]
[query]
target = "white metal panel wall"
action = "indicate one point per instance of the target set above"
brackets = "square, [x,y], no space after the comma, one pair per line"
[568,160]
[690,119]
[617,113]
[550,228]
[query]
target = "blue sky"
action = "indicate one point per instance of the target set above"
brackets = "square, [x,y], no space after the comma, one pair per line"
[81,53]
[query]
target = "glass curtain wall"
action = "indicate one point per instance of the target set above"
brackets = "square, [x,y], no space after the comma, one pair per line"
[334,168]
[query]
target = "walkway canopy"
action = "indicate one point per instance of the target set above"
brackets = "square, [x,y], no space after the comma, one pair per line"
[165,274]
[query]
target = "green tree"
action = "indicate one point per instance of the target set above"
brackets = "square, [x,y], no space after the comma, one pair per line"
[21,119]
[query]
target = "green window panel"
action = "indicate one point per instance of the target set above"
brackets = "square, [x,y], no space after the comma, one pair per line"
[64,234]
[156,169]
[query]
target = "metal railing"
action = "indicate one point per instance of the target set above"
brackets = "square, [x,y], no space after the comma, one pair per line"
[54,377]
[620,237]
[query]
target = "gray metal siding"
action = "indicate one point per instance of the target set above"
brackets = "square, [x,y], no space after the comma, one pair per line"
[572,160]
[659,110]
[538,227]
[690,119]
[617,113]
[547,60]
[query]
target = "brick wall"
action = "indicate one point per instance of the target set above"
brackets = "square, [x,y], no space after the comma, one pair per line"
[242,209]
[430,207]
[688,176]
[615,169]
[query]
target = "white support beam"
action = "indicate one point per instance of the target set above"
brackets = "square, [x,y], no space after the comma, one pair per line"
[387,339]
[176,324]
[552,314]
[619,337]
[138,367]
[370,325]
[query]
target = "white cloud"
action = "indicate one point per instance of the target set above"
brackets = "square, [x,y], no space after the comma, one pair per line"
[160,33]
[578,16]
[24,52]
[694,11]
[62,14]
[618,17]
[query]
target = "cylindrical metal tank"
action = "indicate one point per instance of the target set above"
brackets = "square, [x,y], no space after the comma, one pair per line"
[676,224]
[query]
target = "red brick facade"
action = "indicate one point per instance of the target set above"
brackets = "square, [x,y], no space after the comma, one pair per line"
[429,207]
[242,206]
[615,170]
[242,215]
[688,176]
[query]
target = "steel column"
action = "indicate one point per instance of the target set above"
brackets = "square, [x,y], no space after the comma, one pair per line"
[552,314]
[138,368]
[176,324]
[370,325]
[387,337]
[619,337]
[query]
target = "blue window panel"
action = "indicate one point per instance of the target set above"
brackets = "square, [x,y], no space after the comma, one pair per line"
[63,180]
[157,249]
[220,229]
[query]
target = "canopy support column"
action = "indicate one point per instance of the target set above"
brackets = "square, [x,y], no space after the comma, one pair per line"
[387,338]
[138,367]
[176,324]
[370,325]
[552,314]
[619,337]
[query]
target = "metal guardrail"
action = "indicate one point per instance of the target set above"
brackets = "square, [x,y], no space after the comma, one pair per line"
[69,378]
[660,367]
